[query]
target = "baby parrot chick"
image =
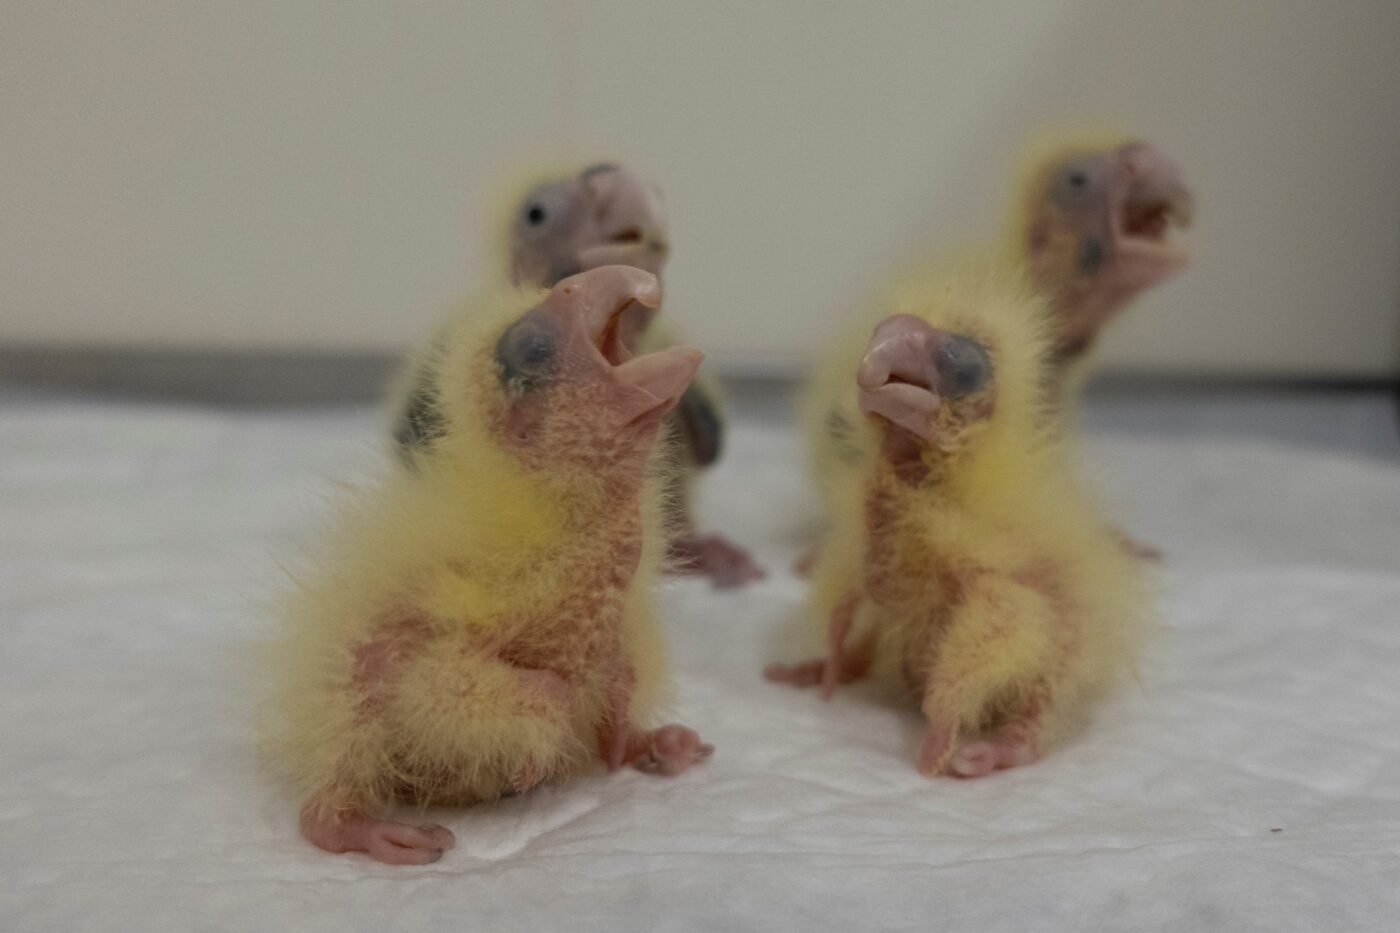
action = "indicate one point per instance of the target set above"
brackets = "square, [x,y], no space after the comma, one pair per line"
[963,560]
[565,223]
[1092,220]
[484,622]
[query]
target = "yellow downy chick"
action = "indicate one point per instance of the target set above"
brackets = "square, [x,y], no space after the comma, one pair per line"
[1091,218]
[558,221]
[963,558]
[485,622]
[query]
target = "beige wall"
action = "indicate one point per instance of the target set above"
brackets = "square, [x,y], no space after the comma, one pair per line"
[307,174]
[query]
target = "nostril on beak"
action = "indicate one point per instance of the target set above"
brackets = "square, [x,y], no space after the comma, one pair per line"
[630,235]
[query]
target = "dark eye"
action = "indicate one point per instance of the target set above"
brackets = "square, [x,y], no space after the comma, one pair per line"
[963,365]
[544,211]
[1077,182]
[527,353]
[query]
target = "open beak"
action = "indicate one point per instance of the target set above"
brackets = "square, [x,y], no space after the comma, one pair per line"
[1154,201]
[605,302]
[897,377]
[630,220]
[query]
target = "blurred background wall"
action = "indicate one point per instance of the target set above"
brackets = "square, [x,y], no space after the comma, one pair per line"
[294,175]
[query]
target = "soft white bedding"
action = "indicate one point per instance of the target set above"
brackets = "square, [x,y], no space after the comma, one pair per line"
[1252,782]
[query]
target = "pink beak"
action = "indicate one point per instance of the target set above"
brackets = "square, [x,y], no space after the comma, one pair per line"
[897,375]
[598,302]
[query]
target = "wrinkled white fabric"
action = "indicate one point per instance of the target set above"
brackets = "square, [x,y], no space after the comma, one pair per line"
[1250,782]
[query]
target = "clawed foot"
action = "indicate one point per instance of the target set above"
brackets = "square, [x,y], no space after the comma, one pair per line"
[670,750]
[806,674]
[388,841]
[814,673]
[728,565]
[982,757]
[977,758]
[666,751]
[843,663]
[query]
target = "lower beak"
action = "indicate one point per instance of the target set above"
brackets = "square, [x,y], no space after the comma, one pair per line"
[895,377]
[641,255]
[1145,263]
[911,407]
[655,382]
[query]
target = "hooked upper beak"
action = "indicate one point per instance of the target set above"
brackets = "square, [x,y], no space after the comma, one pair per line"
[897,377]
[602,301]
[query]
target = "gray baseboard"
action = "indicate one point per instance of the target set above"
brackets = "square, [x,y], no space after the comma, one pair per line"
[278,378]
[214,377]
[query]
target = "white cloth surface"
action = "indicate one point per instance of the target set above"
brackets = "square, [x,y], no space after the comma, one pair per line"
[1250,782]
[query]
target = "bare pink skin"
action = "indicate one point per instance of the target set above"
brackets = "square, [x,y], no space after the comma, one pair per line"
[387,841]
[1099,236]
[567,391]
[609,215]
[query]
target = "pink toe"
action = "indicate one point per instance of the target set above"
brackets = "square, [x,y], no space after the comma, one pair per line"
[440,836]
[974,759]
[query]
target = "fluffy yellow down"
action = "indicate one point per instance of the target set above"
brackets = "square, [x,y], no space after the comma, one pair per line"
[463,547]
[1008,509]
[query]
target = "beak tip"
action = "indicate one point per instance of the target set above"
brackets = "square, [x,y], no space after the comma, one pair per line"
[690,357]
[651,297]
[645,287]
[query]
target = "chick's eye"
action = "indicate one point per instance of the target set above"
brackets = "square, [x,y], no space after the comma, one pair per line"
[544,211]
[963,365]
[527,354]
[1077,182]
